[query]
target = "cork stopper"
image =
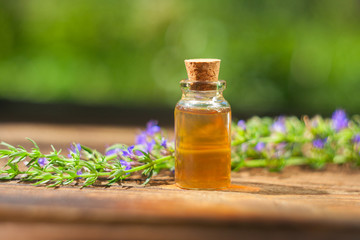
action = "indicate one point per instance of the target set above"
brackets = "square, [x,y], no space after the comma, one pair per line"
[203,69]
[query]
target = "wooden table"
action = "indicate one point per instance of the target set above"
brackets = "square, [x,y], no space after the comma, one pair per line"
[298,203]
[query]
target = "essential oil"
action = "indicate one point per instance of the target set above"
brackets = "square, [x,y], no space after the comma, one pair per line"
[202,129]
[203,148]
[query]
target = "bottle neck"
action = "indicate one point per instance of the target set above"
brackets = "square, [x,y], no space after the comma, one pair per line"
[202,90]
[201,95]
[204,95]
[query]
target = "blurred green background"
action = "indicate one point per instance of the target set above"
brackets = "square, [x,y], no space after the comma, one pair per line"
[291,57]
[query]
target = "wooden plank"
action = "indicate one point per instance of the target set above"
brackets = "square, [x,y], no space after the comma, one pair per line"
[254,198]
[29,231]
[277,205]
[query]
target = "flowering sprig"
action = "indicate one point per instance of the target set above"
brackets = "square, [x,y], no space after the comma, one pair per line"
[291,141]
[85,166]
[257,142]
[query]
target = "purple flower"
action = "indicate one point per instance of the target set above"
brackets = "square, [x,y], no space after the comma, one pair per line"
[319,143]
[113,151]
[279,125]
[148,148]
[339,120]
[152,127]
[125,164]
[164,143]
[79,172]
[259,146]
[138,153]
[74,148]
[128,152]
[42,162]
[146,138]
[140,139]
[242,124]
[150,145]
[356,138]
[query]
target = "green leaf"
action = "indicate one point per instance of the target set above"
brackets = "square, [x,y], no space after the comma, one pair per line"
[33,142]
[8,146]
[149,176]
[87,149]
[89,181]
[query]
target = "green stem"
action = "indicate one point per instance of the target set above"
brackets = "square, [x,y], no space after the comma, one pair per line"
[296,161]
[255,163]
[269,139]
[92,174]
[111,157]
[236,142]
[135,169]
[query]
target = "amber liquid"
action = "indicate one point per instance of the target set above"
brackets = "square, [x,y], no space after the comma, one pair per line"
[203,155]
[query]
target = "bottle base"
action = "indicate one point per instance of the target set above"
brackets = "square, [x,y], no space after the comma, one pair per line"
[202,188]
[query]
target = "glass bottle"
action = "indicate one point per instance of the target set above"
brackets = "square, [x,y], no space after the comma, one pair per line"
[202,135]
